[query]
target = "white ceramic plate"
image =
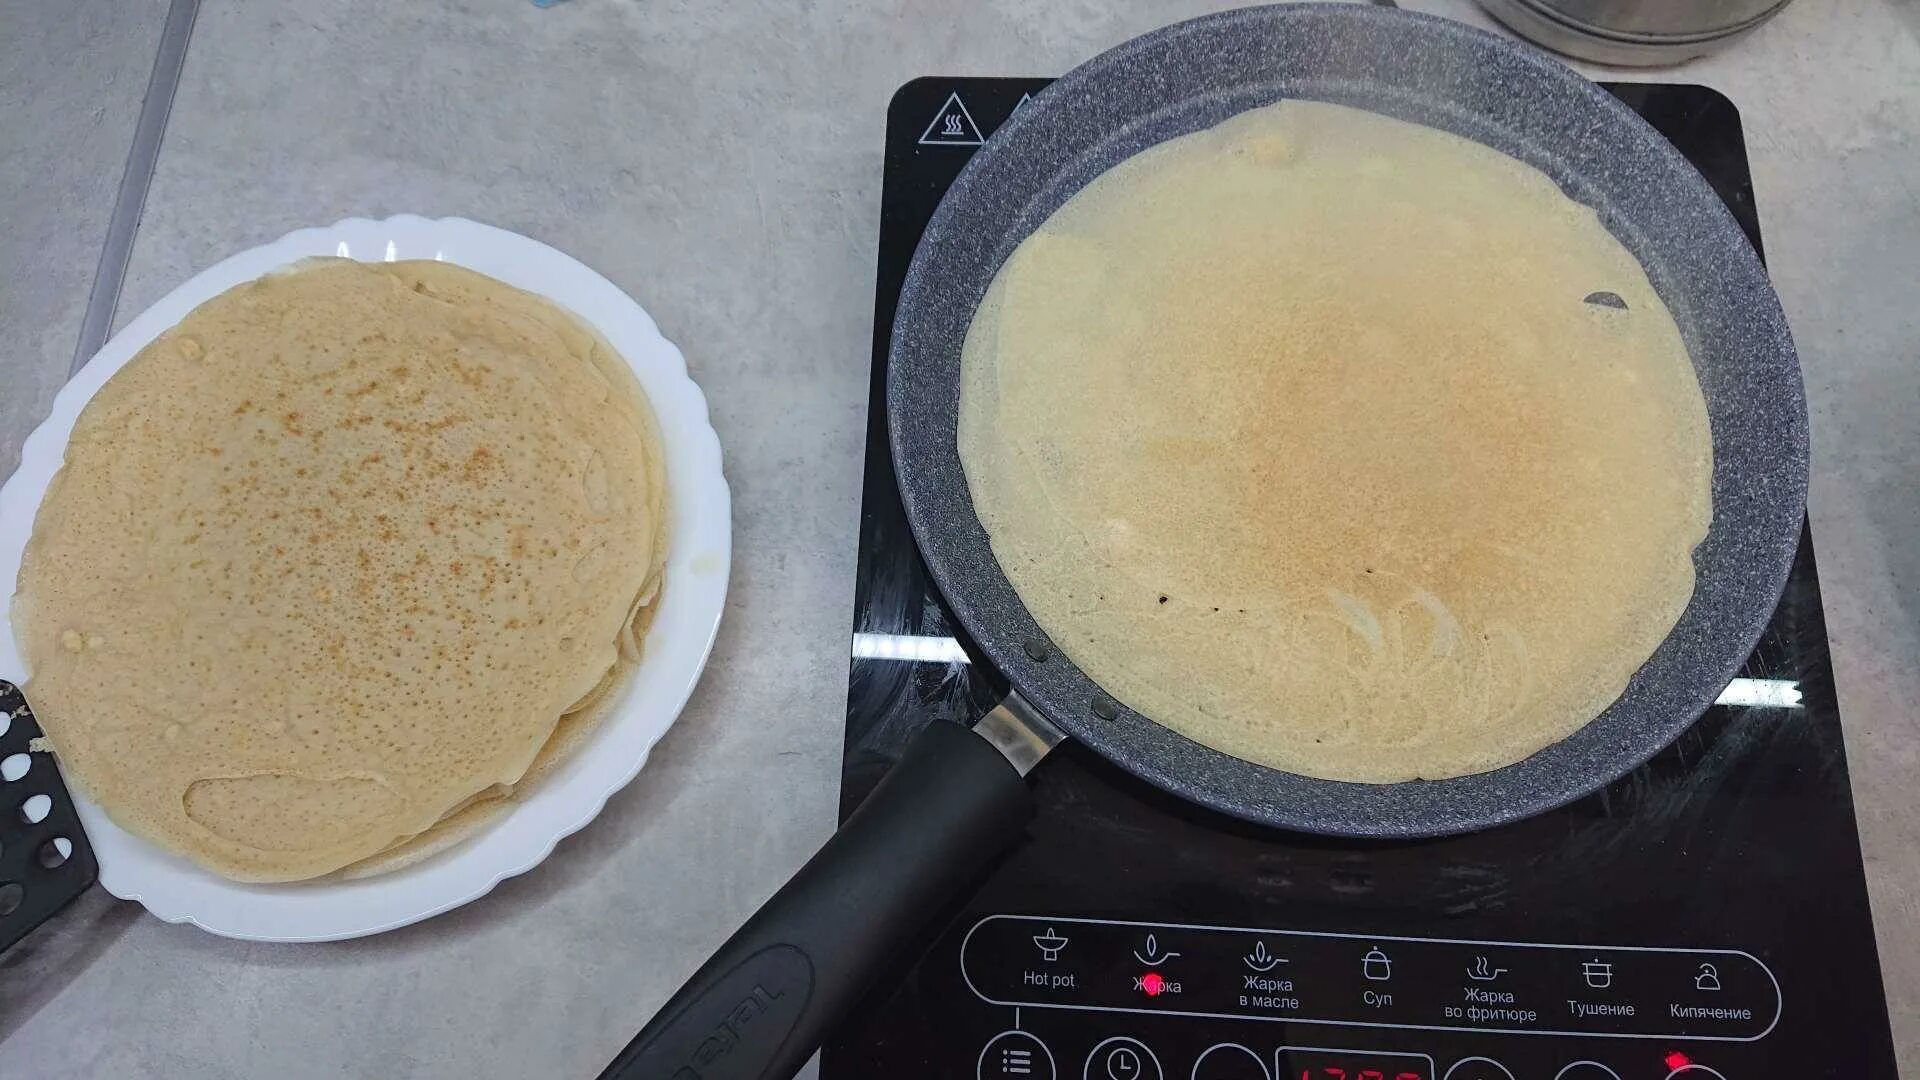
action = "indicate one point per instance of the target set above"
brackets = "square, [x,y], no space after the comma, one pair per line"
[682,633]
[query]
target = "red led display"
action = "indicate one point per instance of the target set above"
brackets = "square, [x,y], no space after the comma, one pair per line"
[1304,1064]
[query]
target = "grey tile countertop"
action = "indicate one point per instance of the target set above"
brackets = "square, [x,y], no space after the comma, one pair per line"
[722,164]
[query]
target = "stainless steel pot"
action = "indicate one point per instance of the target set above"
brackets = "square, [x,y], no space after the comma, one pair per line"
[1634,33]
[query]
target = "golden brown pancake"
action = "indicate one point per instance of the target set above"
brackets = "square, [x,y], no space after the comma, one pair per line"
[1300,437]
[568,737]
[330,561]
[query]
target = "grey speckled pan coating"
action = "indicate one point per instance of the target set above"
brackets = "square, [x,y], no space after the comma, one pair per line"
[1429,71]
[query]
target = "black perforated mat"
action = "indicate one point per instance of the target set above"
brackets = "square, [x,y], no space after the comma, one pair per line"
[45,860]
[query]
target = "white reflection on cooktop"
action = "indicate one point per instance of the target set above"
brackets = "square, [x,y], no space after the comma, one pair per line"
[922,649]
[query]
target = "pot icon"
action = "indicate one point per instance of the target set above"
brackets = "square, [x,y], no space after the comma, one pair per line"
[1375,965]
[1598,972]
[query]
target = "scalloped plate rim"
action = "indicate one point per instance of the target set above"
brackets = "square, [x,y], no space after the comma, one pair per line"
[679,641]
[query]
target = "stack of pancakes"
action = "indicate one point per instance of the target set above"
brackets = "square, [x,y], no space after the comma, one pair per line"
[339,565]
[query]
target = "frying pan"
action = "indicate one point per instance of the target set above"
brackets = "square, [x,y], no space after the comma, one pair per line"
[763,1003]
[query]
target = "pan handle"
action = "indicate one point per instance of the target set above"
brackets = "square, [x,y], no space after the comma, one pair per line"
[760,1007]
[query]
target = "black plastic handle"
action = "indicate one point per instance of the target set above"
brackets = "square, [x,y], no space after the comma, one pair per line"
[767,1000]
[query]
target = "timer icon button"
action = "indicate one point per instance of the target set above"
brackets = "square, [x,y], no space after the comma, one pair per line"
[1122,1058]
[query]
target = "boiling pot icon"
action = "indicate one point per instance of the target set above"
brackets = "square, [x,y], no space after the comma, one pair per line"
[1376,966]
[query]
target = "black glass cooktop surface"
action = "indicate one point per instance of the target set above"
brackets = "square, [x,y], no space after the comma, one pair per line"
[1704,917]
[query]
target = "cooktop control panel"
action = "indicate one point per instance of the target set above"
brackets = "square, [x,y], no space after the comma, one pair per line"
[1355,980]
[1120,1000]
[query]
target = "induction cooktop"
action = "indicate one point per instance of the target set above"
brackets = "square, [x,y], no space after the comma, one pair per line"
[1706,916]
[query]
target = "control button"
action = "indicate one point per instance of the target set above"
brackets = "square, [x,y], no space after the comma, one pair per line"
[1230,1061]
[1015,1055]
[1586,1070]
[1708,978]
[1151,955]
[1478,1068]
[1122,1058]
[1598,973]
[1695,1072]
[1050,944]
[1375,965]
[1259,959]
[1482,971]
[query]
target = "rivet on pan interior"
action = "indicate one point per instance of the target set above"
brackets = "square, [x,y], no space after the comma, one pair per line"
[1036,649]
[1104,707]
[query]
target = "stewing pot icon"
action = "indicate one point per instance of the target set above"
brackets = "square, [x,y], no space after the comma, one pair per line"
[1598,972]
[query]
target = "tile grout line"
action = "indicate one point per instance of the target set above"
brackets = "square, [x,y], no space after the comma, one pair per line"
[131,201]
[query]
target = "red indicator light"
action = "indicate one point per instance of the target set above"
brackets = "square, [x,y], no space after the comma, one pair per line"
[1152,983]
[1676,1060]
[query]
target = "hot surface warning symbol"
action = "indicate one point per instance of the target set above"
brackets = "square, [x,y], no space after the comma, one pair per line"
[952,125]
